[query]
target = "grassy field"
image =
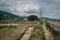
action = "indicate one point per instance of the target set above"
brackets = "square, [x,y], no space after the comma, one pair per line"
[7,28]
[12,33]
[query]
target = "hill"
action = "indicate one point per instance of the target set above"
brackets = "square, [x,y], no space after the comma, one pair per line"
[7,16]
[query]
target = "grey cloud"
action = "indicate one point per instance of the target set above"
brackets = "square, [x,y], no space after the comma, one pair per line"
[31,11]
[51,7]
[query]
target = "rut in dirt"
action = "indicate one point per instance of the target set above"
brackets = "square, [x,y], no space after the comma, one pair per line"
[26,35]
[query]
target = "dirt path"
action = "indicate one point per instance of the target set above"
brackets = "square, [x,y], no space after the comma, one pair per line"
[47,34]
[14,34]
[27,34]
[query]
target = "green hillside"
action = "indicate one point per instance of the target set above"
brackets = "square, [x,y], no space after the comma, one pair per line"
[7,16]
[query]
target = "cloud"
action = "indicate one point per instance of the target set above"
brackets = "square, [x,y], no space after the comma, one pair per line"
[31,11]
[51,8]
[27,7]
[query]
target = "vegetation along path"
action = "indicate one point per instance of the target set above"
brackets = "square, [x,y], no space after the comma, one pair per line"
[47,33]
[26,35]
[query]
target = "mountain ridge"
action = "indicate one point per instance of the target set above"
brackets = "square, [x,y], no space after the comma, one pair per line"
[6,15]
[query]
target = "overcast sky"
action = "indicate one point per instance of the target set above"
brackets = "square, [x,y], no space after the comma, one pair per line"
[50,8]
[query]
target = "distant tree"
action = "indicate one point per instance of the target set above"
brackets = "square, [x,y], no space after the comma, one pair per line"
[32,18]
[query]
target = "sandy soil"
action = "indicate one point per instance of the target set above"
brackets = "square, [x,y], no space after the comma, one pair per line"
[47,34]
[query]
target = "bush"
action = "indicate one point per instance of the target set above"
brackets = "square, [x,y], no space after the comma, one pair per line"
[32,18]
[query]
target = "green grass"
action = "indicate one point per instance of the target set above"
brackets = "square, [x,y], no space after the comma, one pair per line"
[7,28]
[37,33]
[57,38]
